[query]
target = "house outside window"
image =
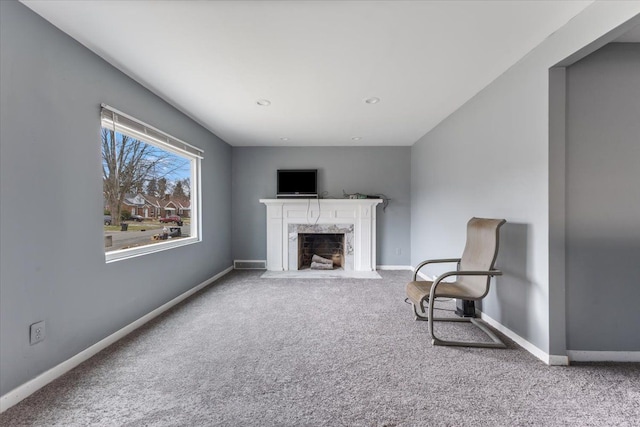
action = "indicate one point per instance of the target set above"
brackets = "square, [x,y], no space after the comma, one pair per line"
[145,169]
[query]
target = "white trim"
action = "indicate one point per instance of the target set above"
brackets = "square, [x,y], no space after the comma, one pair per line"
[121,254]
[603,356]
[424,276]
[140,122]
[395,267]
[549,359]
[195,200]
[25,390]
[194,159]
[558,360]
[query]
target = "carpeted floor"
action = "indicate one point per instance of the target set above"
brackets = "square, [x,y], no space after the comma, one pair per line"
[287,352]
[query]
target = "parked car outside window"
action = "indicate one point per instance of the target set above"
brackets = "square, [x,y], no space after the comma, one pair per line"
[172,218]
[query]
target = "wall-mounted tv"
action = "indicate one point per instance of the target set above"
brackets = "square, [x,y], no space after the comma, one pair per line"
[297,183]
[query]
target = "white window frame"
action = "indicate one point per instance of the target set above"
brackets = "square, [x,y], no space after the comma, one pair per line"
[160,139]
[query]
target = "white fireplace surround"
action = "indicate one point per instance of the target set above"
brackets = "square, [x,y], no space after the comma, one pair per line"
[356,218]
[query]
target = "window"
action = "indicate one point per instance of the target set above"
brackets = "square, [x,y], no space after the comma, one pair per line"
[145,169]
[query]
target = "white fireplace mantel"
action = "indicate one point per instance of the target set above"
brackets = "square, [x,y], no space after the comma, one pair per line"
[360,213]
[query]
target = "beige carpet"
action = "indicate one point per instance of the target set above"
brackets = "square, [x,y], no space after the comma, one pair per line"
[337,352]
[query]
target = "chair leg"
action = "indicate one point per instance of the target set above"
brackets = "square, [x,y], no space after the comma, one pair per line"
[420,314]
[497,342]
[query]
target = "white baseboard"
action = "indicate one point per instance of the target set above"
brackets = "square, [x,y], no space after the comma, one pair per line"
[424,276]
[549,359]
[603,356]
[556,359]
[25,390]
[394,267]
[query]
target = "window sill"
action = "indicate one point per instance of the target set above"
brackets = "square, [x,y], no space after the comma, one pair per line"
[123,254]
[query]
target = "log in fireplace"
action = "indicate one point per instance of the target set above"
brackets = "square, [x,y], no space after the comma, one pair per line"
[325,245]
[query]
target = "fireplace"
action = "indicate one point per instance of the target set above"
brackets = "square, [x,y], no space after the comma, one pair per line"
[329,246]
[353,218]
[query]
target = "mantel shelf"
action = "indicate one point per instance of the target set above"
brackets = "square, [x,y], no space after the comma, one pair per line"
[322,201]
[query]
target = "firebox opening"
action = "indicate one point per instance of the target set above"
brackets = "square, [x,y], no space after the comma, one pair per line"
[325,245]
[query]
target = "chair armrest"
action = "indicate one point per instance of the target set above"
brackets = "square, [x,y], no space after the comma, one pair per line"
[461,273]
[432,261]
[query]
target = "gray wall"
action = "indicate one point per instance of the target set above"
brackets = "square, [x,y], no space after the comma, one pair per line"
[52,266]
[368,170]
[603,200]
[491,158]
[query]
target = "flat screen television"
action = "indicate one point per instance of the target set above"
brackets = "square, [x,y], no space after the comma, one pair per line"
[297,183]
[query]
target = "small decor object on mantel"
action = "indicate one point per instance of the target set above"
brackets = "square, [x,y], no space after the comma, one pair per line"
[385,199]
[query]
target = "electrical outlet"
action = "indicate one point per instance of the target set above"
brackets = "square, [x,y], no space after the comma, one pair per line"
[36,332]
[398,251]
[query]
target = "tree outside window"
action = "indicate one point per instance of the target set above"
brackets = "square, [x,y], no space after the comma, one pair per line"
[141,174]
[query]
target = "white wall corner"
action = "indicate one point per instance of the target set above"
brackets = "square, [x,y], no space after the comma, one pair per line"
[549,359]
[558,360]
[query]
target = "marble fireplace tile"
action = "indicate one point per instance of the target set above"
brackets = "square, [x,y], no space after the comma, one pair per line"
[346,229]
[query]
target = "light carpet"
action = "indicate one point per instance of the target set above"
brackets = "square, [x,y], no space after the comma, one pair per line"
[248,351]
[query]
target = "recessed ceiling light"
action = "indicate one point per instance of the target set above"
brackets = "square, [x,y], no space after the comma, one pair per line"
[284,138]
[356,138]
[263,102]
[373,100]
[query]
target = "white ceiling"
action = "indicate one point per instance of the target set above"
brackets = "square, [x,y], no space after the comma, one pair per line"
[316,61]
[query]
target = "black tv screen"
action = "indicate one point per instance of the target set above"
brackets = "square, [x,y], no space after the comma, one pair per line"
[297,182]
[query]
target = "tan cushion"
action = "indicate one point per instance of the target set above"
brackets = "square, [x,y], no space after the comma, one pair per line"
[479,254]
[418,291]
